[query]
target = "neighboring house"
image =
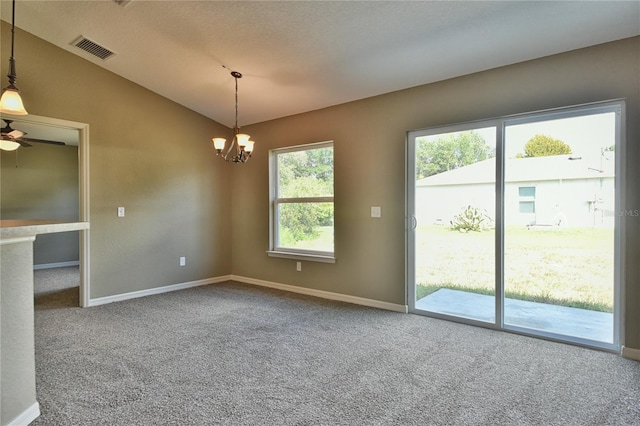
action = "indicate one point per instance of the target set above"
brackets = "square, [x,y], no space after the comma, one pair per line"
[560,190]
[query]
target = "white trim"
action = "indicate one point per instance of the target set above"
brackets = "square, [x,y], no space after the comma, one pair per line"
[84,188]
[56,265]
[157,290]
[27,416]
[285,287]
[323,294]
[631,353]
[301,256]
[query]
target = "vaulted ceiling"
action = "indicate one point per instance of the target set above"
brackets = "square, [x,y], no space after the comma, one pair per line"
[298,56]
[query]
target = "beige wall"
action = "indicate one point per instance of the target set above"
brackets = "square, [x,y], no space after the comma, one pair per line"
[147,154]
[369,149]
[41,182]
[154,157]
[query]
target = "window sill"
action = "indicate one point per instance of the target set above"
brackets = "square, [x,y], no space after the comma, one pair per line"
[302,256]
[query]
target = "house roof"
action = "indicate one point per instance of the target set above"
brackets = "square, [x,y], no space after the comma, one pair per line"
[532,169]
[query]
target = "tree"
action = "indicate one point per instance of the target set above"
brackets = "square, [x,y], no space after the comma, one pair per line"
[544,146]
[450,152]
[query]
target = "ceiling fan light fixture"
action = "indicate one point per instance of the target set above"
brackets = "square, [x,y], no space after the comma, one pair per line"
[8,145]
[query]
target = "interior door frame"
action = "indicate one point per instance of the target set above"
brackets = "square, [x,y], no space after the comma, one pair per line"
[616,105]
[83,188]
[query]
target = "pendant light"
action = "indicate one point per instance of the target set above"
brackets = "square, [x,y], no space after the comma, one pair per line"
[11,102]
[241,141]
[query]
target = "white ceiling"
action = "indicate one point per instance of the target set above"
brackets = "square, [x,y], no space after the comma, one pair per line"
[298,56]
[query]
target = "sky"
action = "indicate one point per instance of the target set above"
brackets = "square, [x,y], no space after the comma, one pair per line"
[586,135]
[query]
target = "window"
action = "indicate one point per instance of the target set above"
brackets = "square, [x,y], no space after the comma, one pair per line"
[527,191]
[527,207]
[527,199]
[302,210]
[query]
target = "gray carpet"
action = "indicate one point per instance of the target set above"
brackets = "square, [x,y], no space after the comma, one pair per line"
[236,354]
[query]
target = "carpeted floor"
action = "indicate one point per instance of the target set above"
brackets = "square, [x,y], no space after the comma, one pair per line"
[236,354]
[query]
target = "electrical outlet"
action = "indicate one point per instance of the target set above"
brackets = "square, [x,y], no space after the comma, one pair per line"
[376,212]
[120,211]
[183,261]
[298,266]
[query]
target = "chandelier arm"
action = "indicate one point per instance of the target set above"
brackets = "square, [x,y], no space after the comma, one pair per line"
[226,154]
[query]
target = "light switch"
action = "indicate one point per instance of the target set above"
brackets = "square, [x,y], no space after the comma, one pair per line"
[120,211]
[376,212]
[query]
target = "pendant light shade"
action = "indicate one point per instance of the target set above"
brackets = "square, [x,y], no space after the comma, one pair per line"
[11,102]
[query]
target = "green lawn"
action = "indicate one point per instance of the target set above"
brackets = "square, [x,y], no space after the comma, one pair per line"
[323,241]
[570,267]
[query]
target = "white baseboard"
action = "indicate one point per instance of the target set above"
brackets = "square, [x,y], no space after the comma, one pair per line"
[157,290]
[631,353]
[285,287]
[324,294]
[27,416]
[56,265]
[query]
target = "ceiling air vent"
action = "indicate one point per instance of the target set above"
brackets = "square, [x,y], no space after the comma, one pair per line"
[92,47]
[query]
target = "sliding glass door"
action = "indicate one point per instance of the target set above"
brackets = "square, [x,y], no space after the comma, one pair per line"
[454,248]
[512,223]
[559,224]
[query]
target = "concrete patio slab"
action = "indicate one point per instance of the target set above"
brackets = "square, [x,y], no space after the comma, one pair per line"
[563,320]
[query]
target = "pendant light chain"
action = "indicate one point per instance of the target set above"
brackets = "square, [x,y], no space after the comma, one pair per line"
[236,128]
[12,66]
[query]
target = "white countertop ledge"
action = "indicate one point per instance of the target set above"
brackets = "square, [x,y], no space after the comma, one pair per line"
[20,228]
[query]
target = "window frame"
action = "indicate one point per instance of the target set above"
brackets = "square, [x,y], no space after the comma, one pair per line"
[275,202]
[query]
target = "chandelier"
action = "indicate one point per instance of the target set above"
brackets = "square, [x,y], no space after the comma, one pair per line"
[11,102]
[240,147]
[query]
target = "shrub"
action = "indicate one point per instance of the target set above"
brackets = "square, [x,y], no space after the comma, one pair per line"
[471,219]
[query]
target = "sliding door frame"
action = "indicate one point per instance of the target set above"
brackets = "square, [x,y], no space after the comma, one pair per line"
[616,106]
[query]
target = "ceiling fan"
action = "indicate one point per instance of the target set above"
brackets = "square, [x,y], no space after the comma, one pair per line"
[14,135]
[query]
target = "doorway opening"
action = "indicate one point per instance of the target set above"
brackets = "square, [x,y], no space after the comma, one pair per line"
[54,186]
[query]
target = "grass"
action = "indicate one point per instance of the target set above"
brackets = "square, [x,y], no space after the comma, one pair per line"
[323,241]
[568,267]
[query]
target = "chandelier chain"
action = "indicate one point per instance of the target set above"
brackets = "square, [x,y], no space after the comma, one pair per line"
[236,127]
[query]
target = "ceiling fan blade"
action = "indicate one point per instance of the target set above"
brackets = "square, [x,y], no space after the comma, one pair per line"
[23,143]
[43,141]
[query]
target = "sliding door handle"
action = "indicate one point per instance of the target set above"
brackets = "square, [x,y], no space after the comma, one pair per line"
[414,222]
